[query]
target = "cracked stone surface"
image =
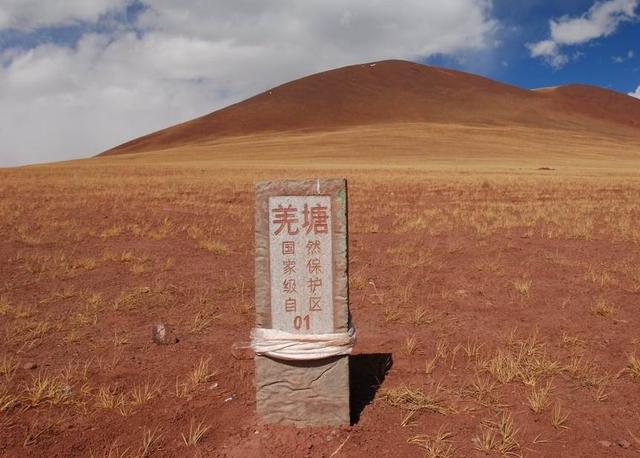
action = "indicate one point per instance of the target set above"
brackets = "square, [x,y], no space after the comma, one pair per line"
[304,393]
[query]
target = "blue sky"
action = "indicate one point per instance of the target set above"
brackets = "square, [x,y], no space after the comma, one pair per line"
[610,61]
[80,76]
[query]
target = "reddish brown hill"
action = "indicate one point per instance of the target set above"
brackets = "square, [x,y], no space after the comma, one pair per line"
[595,102]
[399,92]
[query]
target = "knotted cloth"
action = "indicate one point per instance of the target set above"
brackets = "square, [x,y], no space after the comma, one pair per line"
[301,347]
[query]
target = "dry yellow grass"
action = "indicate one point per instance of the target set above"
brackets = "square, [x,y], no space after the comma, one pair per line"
[8,366]
[603,308]
[436,446]
[633,366]
[539,398]
[524,359]
[150,441]
[499,436]
[195,433]
[410,345]
[462,245]
[417,399]
[214,246]
[46,388]
[559,418]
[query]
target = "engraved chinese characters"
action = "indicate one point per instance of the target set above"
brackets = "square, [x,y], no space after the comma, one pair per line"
[301,264]
[302,288]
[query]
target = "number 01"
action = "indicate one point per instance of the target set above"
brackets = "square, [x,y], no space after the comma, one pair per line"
[298,321]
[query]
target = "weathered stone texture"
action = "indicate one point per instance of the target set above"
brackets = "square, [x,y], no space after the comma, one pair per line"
[303,393]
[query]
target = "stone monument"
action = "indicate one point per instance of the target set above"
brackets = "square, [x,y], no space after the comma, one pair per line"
[302,303]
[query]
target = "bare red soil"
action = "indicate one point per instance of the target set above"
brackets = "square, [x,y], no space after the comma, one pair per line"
[456,279]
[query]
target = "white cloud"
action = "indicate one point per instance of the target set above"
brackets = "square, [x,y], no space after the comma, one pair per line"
[602,19]
[29,14]
[636,93]
[550,51]
[620,59]
[63,102]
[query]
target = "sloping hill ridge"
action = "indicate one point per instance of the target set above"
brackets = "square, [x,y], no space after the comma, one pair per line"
[398,91]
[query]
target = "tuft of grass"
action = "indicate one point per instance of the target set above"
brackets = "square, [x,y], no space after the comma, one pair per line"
[422,316]
[150,441]
[72,337]
[633,366]
[45,388]
[503,366]
[472,350]
[67,292]
[438,446]
[410,345]
[588,375]
[168,264]
[358,280]
[143,393]
[500,436]
[8,366]
[600,277]
[430,365]
[127,257]
[522,286]
[112,231]
[523,360]
[84,263]
[392,314]
[92,298]
[603,308]
[215,247]
[41,428]
[114,451]
[559,418]
[446,294]
[195,434]
[601,394]
[484,391]
[415,399]
[569,341]
[108,398]
[538,398]
[88,317]
[130,299]
[7,399]
[5,305]
[182,389]
[138,269]
[442,349]
[119,339]
[454,352]
[583,372]
[201,373]
[202,321]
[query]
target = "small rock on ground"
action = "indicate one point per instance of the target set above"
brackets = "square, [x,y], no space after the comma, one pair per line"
[623,443]
[163,334]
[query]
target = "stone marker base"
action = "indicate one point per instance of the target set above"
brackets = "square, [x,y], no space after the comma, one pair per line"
[303,393]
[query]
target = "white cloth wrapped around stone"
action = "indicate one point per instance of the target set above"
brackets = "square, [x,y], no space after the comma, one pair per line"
[301,347]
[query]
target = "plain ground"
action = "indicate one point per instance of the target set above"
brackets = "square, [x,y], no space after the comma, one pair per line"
[503,281]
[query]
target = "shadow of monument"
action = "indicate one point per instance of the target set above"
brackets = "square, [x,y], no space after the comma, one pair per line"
[366,374]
